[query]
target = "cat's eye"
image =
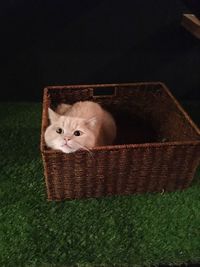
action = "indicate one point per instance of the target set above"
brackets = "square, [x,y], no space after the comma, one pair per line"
[59,130]
[77,133]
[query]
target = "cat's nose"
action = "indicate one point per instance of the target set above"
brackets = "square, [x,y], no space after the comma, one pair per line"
[67,138]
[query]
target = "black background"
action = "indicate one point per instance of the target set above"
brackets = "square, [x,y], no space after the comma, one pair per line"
[83,42]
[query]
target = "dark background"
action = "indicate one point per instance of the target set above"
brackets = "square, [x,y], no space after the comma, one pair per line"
[82,42]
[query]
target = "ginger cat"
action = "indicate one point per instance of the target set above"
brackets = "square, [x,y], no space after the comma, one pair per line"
[83,125]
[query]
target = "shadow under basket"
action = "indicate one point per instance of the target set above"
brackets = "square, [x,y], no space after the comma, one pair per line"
[157,148]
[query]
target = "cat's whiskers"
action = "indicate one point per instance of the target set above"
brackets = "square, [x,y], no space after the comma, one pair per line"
[85,148]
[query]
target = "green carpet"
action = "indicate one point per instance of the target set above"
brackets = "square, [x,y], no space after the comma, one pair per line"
[139,230]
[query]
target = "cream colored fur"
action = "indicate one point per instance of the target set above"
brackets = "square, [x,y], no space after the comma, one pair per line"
[95,125]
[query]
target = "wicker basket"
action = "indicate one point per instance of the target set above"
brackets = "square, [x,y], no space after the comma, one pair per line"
[157,148]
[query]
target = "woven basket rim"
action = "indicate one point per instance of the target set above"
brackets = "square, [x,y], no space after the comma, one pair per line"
[104,86]
[101,85]
[44,149]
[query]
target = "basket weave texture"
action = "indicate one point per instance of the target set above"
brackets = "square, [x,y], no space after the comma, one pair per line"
[157,147]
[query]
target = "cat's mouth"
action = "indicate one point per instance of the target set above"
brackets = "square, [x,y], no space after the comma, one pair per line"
[66,145]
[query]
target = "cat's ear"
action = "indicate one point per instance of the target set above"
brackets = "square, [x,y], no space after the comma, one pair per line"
[91,123]
[53,116]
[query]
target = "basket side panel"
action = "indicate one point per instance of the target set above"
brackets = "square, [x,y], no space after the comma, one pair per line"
[158,169]
[120,172]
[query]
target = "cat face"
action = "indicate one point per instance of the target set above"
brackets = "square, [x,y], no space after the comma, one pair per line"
[69,134]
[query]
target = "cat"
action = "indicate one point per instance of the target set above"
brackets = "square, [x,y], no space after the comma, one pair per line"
[83,125]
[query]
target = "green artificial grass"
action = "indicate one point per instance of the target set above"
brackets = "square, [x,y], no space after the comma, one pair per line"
[139,230]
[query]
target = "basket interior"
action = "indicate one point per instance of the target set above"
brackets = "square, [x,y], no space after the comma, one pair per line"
[144,113]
